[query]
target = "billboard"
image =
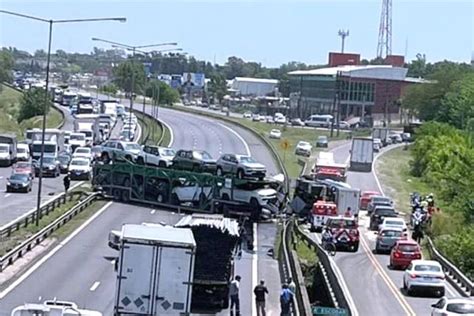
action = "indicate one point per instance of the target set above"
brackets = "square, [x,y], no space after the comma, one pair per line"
[196,80]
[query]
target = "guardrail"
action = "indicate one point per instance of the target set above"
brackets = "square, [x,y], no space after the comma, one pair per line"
[160,124]
[17,252]
[335,284]
[30,217]
[459,281]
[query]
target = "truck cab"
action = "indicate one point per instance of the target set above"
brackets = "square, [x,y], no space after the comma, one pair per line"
[8,149]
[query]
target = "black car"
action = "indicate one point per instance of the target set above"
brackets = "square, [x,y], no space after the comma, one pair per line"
[19,182]
[64,161]
[194,160]
[322,141]
[379,213]
[50,167]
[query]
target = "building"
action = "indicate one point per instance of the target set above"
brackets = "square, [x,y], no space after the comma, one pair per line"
[357,90]
[253,87]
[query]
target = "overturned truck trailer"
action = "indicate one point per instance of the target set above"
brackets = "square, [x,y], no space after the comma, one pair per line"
[190,191]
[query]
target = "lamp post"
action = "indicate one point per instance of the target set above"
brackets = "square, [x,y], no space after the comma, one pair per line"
[50,37]
[133,49]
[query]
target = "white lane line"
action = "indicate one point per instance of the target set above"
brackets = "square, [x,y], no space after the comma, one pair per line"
[247,148]
[94,286]
[254,266]
[152,211]
[24,276]
[7,195]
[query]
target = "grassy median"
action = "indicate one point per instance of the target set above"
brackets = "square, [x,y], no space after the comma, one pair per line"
[9,107]
[152,131]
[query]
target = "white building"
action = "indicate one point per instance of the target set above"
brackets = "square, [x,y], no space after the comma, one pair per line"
[253,86]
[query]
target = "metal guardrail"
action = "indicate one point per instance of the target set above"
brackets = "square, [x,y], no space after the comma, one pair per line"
[459,281]
[30,217]
[335,282]
[17,252]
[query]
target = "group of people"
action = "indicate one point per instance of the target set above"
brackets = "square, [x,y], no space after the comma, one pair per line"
[261,292]
[423,209]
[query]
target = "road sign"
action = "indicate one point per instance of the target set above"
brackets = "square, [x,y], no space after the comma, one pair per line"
[329,311]
[285,144]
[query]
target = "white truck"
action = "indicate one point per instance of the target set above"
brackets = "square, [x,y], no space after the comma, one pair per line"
[362,154]
[110,108]
[381,133]
[77,140]
[8,149]
[155,270]
[88,124]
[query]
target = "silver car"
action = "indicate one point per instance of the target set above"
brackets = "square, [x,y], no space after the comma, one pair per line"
[240,165]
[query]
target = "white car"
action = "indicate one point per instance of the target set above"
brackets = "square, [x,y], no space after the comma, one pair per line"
[393,222]
[80,168]
[256,118]
[190,191]
[344,125]
[280,120]
[453,306]
[275,133]
[23,152]
[377,144]
[157,156]
[247,115]
[425,275]
[303,148]
[82,152]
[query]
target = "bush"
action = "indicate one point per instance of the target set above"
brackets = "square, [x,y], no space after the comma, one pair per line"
[33,103]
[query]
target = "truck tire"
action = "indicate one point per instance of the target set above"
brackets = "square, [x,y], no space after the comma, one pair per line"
[219,171]
[240,174]
[140,161]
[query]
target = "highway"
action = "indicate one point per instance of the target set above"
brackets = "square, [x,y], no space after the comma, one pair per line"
[15,204]
[81,261]
[375,289]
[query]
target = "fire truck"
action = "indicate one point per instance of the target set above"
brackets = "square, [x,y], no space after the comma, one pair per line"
[327,168]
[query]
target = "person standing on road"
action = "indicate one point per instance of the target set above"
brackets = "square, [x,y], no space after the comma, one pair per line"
[234,296]
[292,285]
[67,182]
[260,291]
[286,298]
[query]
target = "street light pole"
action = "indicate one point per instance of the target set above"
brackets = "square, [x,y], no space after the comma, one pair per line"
[50,38]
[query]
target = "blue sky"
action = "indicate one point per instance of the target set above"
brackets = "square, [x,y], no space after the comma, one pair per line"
[270,32]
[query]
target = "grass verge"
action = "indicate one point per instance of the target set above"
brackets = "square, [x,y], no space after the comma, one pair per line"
[151,130]
[9,107]
[304,252]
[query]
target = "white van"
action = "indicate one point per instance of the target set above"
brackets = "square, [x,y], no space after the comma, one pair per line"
[23,152]
[319,120]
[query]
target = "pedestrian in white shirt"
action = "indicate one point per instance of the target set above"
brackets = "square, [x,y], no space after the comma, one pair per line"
[234,296]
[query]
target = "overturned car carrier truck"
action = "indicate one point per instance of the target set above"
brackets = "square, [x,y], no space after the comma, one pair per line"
[189,191]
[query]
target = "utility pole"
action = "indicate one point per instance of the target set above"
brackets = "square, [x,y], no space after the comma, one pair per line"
[343,34]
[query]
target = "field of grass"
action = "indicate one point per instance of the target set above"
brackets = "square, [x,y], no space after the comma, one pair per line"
[9,107]
[291,135]
[394,174]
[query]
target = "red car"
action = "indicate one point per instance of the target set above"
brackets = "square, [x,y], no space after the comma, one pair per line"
[403,253]
[25,168]
[365,198]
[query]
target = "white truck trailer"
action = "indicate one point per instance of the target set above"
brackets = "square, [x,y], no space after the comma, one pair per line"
[155,270]
[362,154]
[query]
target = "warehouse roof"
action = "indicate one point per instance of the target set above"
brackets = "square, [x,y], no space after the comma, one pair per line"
[385,72]
[256,80]
[226,225]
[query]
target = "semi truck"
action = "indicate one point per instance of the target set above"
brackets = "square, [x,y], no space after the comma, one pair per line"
[381,133]
[155,270]
[362,154]
[190,191]
[89,124]
[8,149]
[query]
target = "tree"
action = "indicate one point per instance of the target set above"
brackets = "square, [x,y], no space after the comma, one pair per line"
[6,65]
[218,87]
[162,91]
[33,103]
[123,76]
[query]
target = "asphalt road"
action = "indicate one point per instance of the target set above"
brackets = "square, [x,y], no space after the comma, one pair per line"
[376,289]
[89,247]
[16,204]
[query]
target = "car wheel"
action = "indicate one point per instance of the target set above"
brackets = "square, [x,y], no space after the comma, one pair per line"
[174,199]
[140,161]
[105,157]
[240,174]
[162,164]
[219,171]
[160,198]
[255,209]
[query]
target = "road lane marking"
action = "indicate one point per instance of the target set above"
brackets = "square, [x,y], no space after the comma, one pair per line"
[152,211]
[7,195]
[94,286]
[392,287]
[254,266]
[24,276]
[247,148]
